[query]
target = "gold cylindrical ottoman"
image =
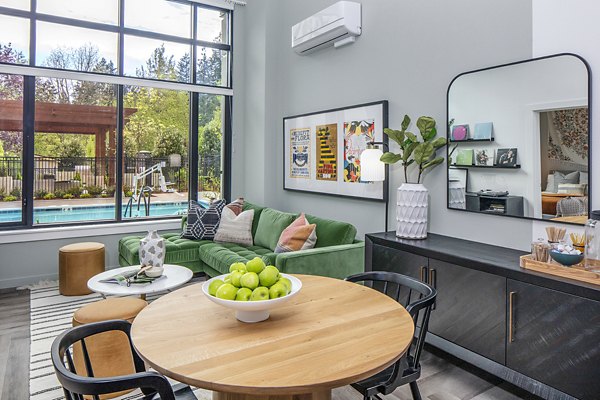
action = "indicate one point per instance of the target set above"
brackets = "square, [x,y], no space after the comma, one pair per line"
[77,263]
[110,353]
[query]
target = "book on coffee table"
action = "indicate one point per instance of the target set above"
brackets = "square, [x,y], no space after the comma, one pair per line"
[131,277]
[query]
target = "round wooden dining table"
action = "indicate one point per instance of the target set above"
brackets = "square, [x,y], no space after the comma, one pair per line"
[331,334]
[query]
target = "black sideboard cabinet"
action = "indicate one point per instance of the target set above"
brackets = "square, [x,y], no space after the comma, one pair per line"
[536,331]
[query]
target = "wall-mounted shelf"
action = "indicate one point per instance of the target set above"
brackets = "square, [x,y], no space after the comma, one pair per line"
[472,140]
[518,166]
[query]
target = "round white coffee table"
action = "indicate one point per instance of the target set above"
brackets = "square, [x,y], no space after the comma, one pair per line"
[174,276]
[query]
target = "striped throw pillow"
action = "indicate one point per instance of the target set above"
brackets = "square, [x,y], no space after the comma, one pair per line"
[299,235]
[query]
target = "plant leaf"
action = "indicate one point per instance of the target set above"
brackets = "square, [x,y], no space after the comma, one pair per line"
[425,125]
[431,134]
[405,122]
[411,136]
[390,158]
[439,142]
[408,151]
[423,152]
[396,136]
[433,163]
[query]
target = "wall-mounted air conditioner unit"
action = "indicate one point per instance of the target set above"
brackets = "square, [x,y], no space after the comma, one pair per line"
[336,26]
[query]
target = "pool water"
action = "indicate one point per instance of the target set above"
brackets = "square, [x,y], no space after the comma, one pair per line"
[54,215]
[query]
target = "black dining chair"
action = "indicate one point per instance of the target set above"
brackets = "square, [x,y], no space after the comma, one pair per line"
[77,384]
[418,299]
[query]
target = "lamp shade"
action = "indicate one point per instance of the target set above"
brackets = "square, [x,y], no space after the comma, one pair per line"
[371,167]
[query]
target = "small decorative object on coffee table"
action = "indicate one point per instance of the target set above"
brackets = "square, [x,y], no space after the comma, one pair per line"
[152,253]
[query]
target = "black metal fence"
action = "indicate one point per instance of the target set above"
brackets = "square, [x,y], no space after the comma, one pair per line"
[62,175]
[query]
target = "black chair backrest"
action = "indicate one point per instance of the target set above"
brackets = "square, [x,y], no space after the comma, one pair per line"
[417,297]
[76,385]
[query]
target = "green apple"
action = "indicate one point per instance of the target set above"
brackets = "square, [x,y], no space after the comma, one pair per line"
[213,286]
[243,294]
[268,276]
[278,290]
[235,278]
[250,280]
[255,265]
[227,278]
[238,266]
[260,293]
[227,291]
[286,282]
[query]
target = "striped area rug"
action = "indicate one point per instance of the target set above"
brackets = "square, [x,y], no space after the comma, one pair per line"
[51,314]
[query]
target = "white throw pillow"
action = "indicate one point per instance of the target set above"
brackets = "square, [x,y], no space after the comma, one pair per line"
[572,188]
[583,178]
[235,228]
[550,187]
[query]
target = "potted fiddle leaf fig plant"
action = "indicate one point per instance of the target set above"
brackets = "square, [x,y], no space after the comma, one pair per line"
[420,153]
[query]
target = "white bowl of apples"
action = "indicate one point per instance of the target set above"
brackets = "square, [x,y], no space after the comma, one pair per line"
[252,289]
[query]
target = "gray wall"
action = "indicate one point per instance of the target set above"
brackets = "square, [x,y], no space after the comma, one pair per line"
[408,54]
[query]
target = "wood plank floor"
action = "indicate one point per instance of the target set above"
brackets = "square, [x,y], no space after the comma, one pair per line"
[443,377]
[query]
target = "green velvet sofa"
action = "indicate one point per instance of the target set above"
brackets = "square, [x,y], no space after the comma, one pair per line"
[337,253]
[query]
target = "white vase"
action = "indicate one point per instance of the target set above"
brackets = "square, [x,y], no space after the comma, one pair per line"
[152,250]
[456,195]
[411,211]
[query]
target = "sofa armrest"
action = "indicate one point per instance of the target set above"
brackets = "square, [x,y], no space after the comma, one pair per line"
[333,261]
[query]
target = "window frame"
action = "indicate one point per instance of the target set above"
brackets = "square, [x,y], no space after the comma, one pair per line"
[31,71]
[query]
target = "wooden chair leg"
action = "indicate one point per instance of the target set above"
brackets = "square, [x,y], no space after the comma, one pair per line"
[414,390]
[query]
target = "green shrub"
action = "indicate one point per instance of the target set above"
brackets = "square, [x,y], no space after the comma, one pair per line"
[74,191]
[68,196]
[86,196]
[94,190]
[104,195]
[40,194]
[59,194]
[49,196]
[77,176]
[110,191]
[16,192]
[128,193]
[9,198]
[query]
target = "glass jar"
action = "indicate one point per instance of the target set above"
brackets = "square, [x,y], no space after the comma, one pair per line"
[592,240]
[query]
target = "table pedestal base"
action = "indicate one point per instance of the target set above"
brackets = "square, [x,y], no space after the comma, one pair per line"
[322,395]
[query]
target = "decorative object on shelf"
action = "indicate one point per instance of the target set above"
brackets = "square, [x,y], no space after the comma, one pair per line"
[460,132]
[540,250]
[578,241]
[483,131]
[483,158]
[457,194]
[152,253]
[506,157]
[577,272]
[323,151]
[592,240]
[567,257]
[464,157]
[412,200]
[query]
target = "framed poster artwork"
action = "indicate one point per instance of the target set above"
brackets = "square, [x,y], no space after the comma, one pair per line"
[322,150]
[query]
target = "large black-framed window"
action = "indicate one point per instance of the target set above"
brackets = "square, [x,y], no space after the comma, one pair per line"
[183,102]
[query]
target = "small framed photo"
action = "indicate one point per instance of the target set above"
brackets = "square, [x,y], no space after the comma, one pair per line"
[484,158]
[506,157]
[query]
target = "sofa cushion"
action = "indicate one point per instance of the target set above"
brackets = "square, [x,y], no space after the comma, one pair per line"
[300,235]
[270,225]
[220,256]
[332,233]
[257,212]
[202,223]
[178,249]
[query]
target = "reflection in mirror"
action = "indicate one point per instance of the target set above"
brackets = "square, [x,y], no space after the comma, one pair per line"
[519,140]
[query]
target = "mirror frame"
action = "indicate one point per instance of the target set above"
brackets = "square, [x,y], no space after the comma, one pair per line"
[589,98]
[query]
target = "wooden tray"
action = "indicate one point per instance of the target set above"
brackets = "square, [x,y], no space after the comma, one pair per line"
[576,272]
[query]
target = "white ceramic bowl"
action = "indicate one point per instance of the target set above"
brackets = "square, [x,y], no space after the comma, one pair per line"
[253,311]
[154,272]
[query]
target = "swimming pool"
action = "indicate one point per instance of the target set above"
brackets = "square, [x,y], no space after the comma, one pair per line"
[93,212]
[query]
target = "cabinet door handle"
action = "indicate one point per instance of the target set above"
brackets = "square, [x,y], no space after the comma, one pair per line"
[422,272]
[511,315]
[432,276]
[432,283]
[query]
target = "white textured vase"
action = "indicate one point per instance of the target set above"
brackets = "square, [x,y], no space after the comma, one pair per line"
[411,211]
[152,250]
[456,195]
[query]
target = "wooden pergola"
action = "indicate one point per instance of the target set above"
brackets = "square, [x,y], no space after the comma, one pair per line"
[100,121]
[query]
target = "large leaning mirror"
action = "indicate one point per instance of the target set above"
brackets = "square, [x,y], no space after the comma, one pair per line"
[518,140]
